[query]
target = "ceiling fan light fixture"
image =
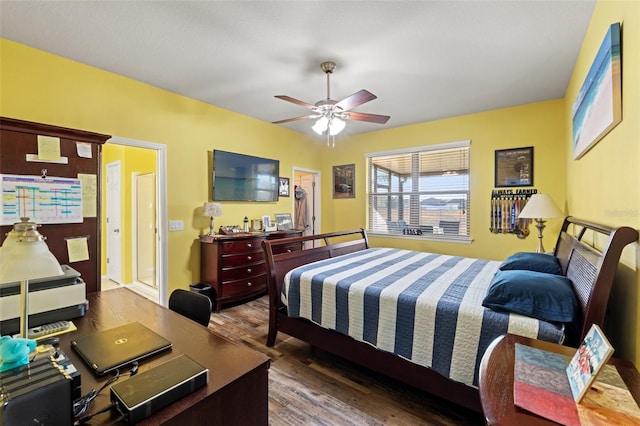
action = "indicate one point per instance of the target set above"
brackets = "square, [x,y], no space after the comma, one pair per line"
[336,126]
[321,125]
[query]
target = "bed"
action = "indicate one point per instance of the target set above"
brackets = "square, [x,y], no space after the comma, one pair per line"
[419,319]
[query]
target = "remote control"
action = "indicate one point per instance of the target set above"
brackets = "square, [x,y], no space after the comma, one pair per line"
[46,329]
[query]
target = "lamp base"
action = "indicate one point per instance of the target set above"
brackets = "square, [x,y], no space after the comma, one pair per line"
[540,224]
[210,226]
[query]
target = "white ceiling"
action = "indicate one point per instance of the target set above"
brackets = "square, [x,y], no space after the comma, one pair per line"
[425,60]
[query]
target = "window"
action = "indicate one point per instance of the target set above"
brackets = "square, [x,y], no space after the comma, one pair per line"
[421,191]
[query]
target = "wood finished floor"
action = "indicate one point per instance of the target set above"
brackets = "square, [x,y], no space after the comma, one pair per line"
[313,387]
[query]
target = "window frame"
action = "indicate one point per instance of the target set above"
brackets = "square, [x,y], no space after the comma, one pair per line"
[415,193]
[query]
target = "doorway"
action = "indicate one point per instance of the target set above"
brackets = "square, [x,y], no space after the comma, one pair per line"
[145,226]
[306,200]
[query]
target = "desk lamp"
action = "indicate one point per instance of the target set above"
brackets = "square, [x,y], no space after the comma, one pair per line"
[539,207]
[25,256]
[211,210]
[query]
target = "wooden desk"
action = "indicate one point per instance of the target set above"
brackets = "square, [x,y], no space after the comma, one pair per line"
[496,380]
[237,392]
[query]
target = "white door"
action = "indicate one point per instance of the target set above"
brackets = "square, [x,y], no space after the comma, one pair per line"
[114,238]
[146,229]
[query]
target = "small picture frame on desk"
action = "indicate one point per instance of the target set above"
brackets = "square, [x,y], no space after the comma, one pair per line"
[256,225]
[283,221]
[266,222]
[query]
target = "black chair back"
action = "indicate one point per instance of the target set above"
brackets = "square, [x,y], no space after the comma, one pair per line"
[192,305]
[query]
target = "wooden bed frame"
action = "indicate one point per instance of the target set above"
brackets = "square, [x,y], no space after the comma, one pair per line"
[591,271]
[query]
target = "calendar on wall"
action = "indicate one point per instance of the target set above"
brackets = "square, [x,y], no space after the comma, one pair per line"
[43,200]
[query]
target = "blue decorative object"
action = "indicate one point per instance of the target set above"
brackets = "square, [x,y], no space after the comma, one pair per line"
[14,352]
[538,262]
[546,297]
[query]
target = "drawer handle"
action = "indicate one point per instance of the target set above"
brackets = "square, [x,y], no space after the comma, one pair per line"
[289,250]
[249,284]
[248,270]
[248,244]
[248,257]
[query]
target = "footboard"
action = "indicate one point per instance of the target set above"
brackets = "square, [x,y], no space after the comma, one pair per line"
[314,248]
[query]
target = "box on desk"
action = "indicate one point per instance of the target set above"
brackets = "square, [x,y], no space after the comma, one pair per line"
[50,300]
[36,393]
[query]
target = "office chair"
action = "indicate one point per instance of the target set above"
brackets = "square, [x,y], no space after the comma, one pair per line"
[192,305]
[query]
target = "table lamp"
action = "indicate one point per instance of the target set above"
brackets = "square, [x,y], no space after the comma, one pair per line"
[25,256]
[539,207]
[211,210]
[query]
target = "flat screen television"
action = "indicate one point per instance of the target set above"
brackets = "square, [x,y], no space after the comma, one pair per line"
[239,177]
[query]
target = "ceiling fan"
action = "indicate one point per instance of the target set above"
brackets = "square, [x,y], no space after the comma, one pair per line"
[330,114]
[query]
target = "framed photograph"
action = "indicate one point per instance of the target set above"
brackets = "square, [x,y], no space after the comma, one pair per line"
[514,167]
[266,221]
[283,221]
[256,225]
[592,354]
[283,190]
[598,106]
[344,185]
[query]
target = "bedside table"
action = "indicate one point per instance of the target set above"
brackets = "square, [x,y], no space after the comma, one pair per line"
[495,383]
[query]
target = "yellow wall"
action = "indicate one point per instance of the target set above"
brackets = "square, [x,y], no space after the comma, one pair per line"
[601,186]
[134,161]
[40,87]
[604,185]
[540,125]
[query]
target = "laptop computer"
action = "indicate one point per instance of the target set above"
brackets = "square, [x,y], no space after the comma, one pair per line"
[107,350]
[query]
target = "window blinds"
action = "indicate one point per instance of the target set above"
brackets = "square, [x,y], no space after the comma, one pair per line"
[420,192]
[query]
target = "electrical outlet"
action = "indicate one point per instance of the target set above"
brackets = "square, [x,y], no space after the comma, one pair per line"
[176,225]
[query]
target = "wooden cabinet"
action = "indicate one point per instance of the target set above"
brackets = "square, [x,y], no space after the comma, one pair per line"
[18,141]
[234,266]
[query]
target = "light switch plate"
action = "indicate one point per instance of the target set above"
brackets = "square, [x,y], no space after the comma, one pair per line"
[176,225]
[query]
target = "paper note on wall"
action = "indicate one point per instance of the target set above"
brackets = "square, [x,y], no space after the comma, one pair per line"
[77,249]
[48,148]
[83,149]
[89,194]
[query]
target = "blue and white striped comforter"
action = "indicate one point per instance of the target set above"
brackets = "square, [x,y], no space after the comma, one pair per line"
[424,307]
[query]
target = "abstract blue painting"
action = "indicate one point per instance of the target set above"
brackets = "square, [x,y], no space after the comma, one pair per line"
[598,106]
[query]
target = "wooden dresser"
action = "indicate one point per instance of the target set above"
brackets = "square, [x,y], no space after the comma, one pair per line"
[234,265]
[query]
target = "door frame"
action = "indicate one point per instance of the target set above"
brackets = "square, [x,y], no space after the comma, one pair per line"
[316,203]
[161,202]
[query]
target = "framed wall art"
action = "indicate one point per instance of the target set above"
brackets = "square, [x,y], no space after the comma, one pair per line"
[283,187]
[598,106]
[514,167]
[344,181]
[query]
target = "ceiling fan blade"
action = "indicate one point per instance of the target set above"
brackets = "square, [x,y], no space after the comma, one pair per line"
[288,120]
[356,99]
[372,118]
[295,101]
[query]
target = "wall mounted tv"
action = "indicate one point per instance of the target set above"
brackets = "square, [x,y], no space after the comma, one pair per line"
[239,177]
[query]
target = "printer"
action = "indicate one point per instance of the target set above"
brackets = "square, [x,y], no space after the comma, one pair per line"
[50,299]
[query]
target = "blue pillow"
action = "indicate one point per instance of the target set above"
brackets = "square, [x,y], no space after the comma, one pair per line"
[547,297]
[538,262]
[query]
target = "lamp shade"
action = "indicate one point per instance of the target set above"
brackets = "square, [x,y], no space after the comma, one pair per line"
[25,256]
[212,209]
[540,206]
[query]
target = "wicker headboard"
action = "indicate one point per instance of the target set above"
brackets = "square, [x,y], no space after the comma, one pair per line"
[591,269]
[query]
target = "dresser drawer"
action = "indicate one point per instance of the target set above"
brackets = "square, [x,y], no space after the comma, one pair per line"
[287,248]
[244,271]
[242,246]
[232,260]
[248,285]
